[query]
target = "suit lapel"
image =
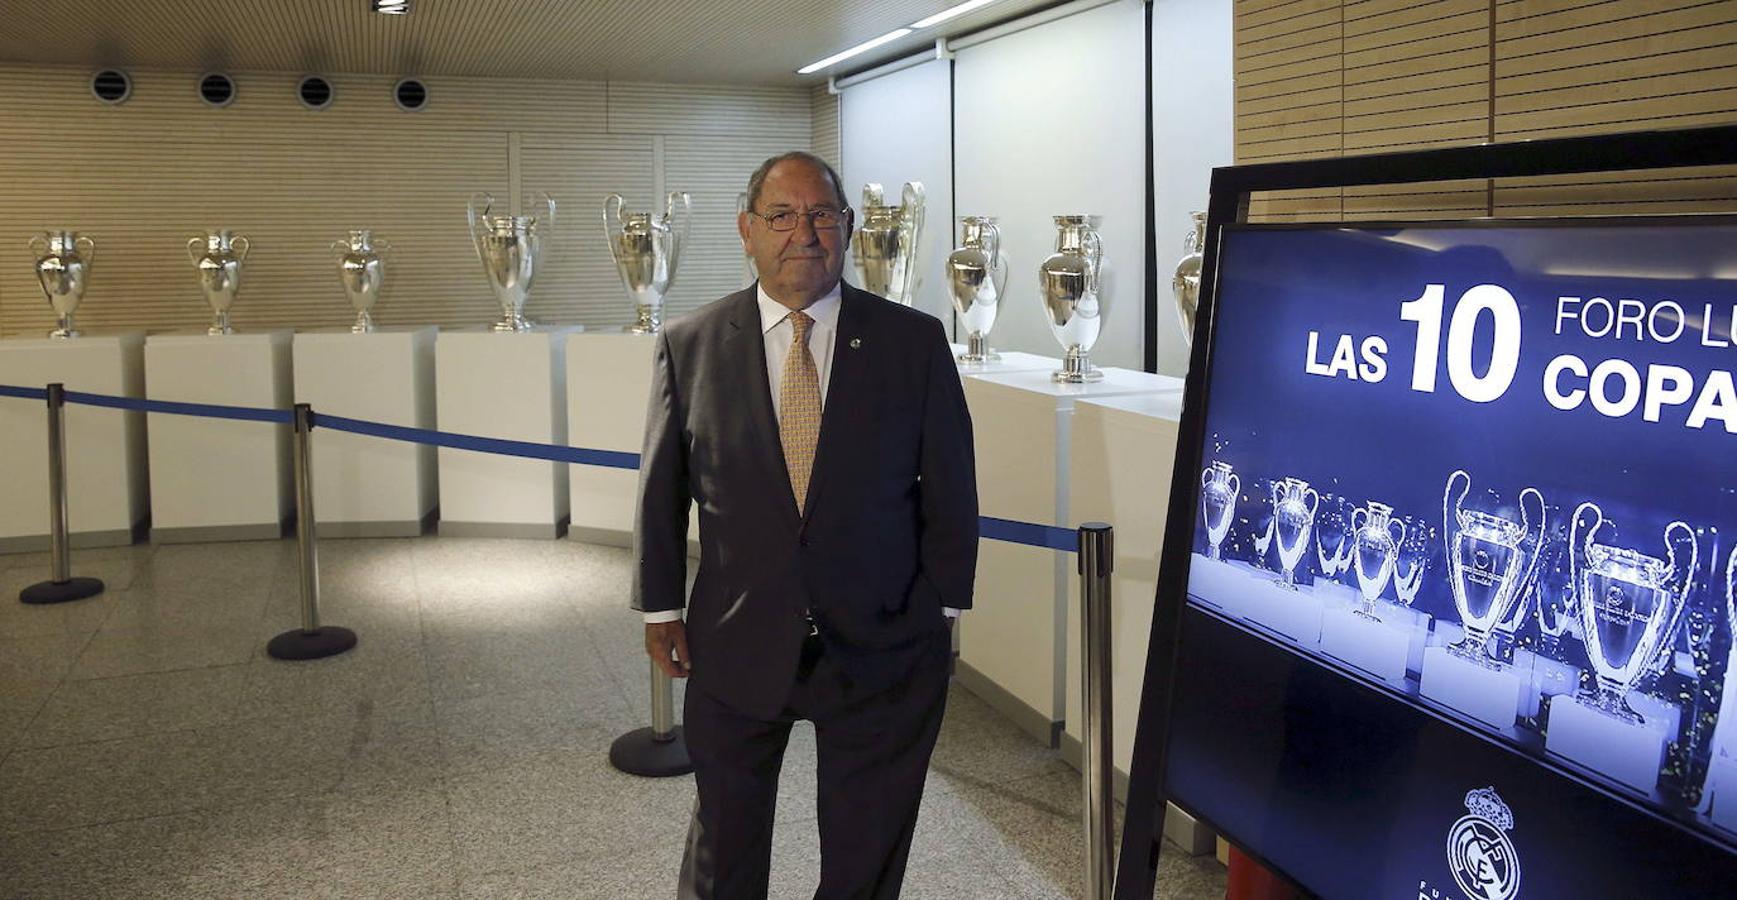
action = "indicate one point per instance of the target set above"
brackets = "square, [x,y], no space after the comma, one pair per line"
[844,389]
[748,347]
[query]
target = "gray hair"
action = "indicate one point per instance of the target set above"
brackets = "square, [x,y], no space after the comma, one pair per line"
[758,179]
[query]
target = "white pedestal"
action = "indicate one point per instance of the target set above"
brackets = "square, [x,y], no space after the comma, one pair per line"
[1546,677]
[1629,753]
[218,479]
[105,448]
[1721,791]
[368,486]
[1012,645]
[1372,645]
[502,385]
[1256,596]
[1010,361]
[1490,695]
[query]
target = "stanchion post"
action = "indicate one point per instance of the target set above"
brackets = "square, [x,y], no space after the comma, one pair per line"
[659,751]
[1096,562]
[61,586]
[312,640]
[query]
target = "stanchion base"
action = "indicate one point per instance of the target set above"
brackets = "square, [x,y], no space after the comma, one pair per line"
[61,591]
[327,640]
[639,753]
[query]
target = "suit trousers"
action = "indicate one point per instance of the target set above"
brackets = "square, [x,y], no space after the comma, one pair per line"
[873,754]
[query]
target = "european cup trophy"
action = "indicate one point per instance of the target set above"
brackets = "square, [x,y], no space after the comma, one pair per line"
[1068,282]
[647,247]
[1185,281]
[63,261]
[886,242]
[1627,599]
[1376,538]
[510,248]
[217,257]
[362,271]
[1488,563]
[1294,506]
[1218,490]
[977,276]
[1413,562]
[1334,545]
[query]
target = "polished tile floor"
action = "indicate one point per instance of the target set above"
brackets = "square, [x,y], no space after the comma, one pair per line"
[149,748]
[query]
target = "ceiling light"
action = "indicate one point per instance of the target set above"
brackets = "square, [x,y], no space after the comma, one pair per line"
[392,7]
[949,13]
[863,47]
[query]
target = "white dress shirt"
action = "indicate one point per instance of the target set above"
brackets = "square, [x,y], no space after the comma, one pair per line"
[778,333]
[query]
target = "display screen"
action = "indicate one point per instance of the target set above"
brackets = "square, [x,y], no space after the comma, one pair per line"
[1464,523]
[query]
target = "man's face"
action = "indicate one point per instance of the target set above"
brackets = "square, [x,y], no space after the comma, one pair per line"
[801,265]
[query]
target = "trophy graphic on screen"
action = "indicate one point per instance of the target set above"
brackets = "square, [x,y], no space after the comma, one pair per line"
[1554,588]
[1375,537]
[1627,599]
[1413,561]
[1218,490]
[1294,505]
[1333,545]
[1487,564]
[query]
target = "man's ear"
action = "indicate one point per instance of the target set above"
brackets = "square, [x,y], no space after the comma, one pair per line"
[742,229]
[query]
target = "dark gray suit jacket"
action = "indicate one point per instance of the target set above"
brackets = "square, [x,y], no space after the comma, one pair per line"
[890,534]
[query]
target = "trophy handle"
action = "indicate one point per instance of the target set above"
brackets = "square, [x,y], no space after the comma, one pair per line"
[1450,503]
[1688,574]
[613,223]
[1731,590]
[38,239]
[193,245]
[547,219]
[1314,501]
[339,247]
[1526,522]
[873,195]
[681,232]
[1576,547]
[1235,485]
[1095,259]
[241,245]
[471,216]
[383,248]
[85,247]
[1397,538]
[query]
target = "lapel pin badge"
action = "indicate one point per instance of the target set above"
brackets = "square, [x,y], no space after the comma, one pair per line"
[856,343]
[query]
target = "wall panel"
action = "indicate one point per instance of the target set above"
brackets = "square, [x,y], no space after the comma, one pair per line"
[144,176]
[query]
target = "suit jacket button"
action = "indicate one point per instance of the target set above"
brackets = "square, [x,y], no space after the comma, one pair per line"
[802,541]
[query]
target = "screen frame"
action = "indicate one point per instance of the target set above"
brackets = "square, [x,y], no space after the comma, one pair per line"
[1232,186]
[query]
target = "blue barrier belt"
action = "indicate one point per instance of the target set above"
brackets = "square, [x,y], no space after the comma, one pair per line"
[1009,530]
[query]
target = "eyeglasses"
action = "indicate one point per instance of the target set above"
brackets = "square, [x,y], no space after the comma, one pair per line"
[820,217]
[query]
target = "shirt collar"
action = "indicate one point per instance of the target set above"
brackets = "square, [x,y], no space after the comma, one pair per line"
[823,311]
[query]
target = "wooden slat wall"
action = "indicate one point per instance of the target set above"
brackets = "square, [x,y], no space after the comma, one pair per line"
[144,176]
[828,143]
[1335,77]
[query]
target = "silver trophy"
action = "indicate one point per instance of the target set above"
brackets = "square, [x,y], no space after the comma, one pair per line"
[1294,506]
[976,276]
[1376,537]
[63,260]
[217,257]
[1218,489]
[1185,282]
[647,248]
[362,270]
[1068,281]
[1488,563]
[509,248]
[886,243]
[1627,601]
[748,274]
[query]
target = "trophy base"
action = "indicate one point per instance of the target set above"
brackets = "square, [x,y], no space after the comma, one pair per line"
[364,324]
[63,334]
[978,359]
[1089,376]
[1364,641]
[1488,693]
[219,330]
[643,328]
[512,326]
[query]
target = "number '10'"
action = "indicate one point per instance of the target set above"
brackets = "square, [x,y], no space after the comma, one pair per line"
[1504,351]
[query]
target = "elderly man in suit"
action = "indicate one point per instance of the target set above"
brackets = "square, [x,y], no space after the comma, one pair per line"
[823,432]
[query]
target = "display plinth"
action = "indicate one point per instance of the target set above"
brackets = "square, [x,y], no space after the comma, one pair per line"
[219,479]
[368,486]
[1629,753]
[1548,678]
[105,448]
[1488,694]
[1376,647]
[1722,792]
[1010,361]
[1012,646]
[1256,596]
[509,385]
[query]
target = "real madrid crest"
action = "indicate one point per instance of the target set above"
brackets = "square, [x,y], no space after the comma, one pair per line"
[1480,855]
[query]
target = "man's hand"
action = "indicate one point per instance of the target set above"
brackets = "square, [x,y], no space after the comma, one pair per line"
[667,645]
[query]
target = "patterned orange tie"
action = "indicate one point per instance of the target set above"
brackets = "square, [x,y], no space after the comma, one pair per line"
[799,408]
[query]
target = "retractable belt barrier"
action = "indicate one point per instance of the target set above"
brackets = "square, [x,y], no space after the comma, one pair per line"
[655,751]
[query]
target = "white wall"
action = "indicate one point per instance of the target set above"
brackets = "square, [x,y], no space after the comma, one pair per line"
[1051,120]
[898,129]
[1193,130]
